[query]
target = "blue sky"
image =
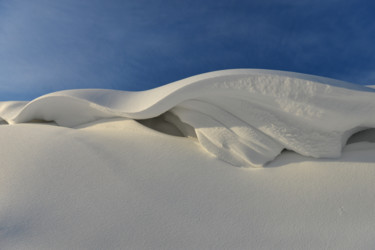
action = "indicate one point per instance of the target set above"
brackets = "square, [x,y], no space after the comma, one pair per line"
[51,45]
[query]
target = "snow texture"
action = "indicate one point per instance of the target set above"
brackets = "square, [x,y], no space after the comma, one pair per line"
[244,117]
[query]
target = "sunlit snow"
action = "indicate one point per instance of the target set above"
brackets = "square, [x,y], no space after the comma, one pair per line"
[106,169]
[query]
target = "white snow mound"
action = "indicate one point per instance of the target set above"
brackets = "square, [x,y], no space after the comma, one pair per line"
[245,117]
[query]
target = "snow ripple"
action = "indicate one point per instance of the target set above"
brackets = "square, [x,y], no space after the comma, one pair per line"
[245,117]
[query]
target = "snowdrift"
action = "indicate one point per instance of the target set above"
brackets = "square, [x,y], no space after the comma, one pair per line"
[244,117]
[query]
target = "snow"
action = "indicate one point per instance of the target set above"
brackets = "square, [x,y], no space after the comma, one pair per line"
[100,180]
[243,117]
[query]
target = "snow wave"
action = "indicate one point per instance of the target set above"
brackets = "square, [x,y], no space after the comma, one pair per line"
[245,117]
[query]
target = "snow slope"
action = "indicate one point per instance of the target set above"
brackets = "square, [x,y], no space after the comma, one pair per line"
[115,184]
[97,179]
[244,117]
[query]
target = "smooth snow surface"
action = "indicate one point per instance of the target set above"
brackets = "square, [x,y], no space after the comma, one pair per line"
[102,180]
[116,184]
[244,117]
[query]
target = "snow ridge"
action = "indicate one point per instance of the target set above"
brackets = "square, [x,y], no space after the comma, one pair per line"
[245,117]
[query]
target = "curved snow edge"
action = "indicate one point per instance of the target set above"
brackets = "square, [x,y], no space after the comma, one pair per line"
[245,117]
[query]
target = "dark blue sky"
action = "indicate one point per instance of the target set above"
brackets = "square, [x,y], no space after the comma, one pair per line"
[50,45]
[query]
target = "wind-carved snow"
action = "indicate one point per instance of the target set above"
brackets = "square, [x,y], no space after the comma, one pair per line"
[244,117]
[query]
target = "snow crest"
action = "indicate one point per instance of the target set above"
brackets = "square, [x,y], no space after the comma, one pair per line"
[245,117]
